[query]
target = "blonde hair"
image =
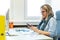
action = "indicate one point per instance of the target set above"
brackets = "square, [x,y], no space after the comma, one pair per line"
[48,9]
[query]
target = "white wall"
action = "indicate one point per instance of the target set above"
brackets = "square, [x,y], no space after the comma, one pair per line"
[4,5]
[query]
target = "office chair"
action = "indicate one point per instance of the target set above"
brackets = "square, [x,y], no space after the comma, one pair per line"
[58,23]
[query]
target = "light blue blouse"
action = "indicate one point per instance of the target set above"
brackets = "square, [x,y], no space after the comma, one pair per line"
[51,27]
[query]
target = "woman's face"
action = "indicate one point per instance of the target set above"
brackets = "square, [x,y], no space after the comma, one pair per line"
[44,13]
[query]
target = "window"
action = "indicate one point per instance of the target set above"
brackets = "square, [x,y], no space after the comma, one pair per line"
[32,9]
[55,5]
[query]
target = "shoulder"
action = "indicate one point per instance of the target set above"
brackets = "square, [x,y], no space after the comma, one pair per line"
[52,20]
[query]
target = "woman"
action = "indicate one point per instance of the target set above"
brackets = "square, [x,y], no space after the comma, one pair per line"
[47,26]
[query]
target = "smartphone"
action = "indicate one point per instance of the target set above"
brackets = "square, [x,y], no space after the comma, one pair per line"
[29,25]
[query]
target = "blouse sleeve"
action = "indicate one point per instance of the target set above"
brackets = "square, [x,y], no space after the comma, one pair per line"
[52,27]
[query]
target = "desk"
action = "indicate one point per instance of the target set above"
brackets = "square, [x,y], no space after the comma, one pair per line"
[20,34]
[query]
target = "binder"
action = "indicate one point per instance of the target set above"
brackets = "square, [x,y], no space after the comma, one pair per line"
[2,27]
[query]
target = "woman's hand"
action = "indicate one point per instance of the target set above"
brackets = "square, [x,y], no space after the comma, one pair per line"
[32,27]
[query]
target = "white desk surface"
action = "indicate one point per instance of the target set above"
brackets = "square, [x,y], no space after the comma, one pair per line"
[25,34]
